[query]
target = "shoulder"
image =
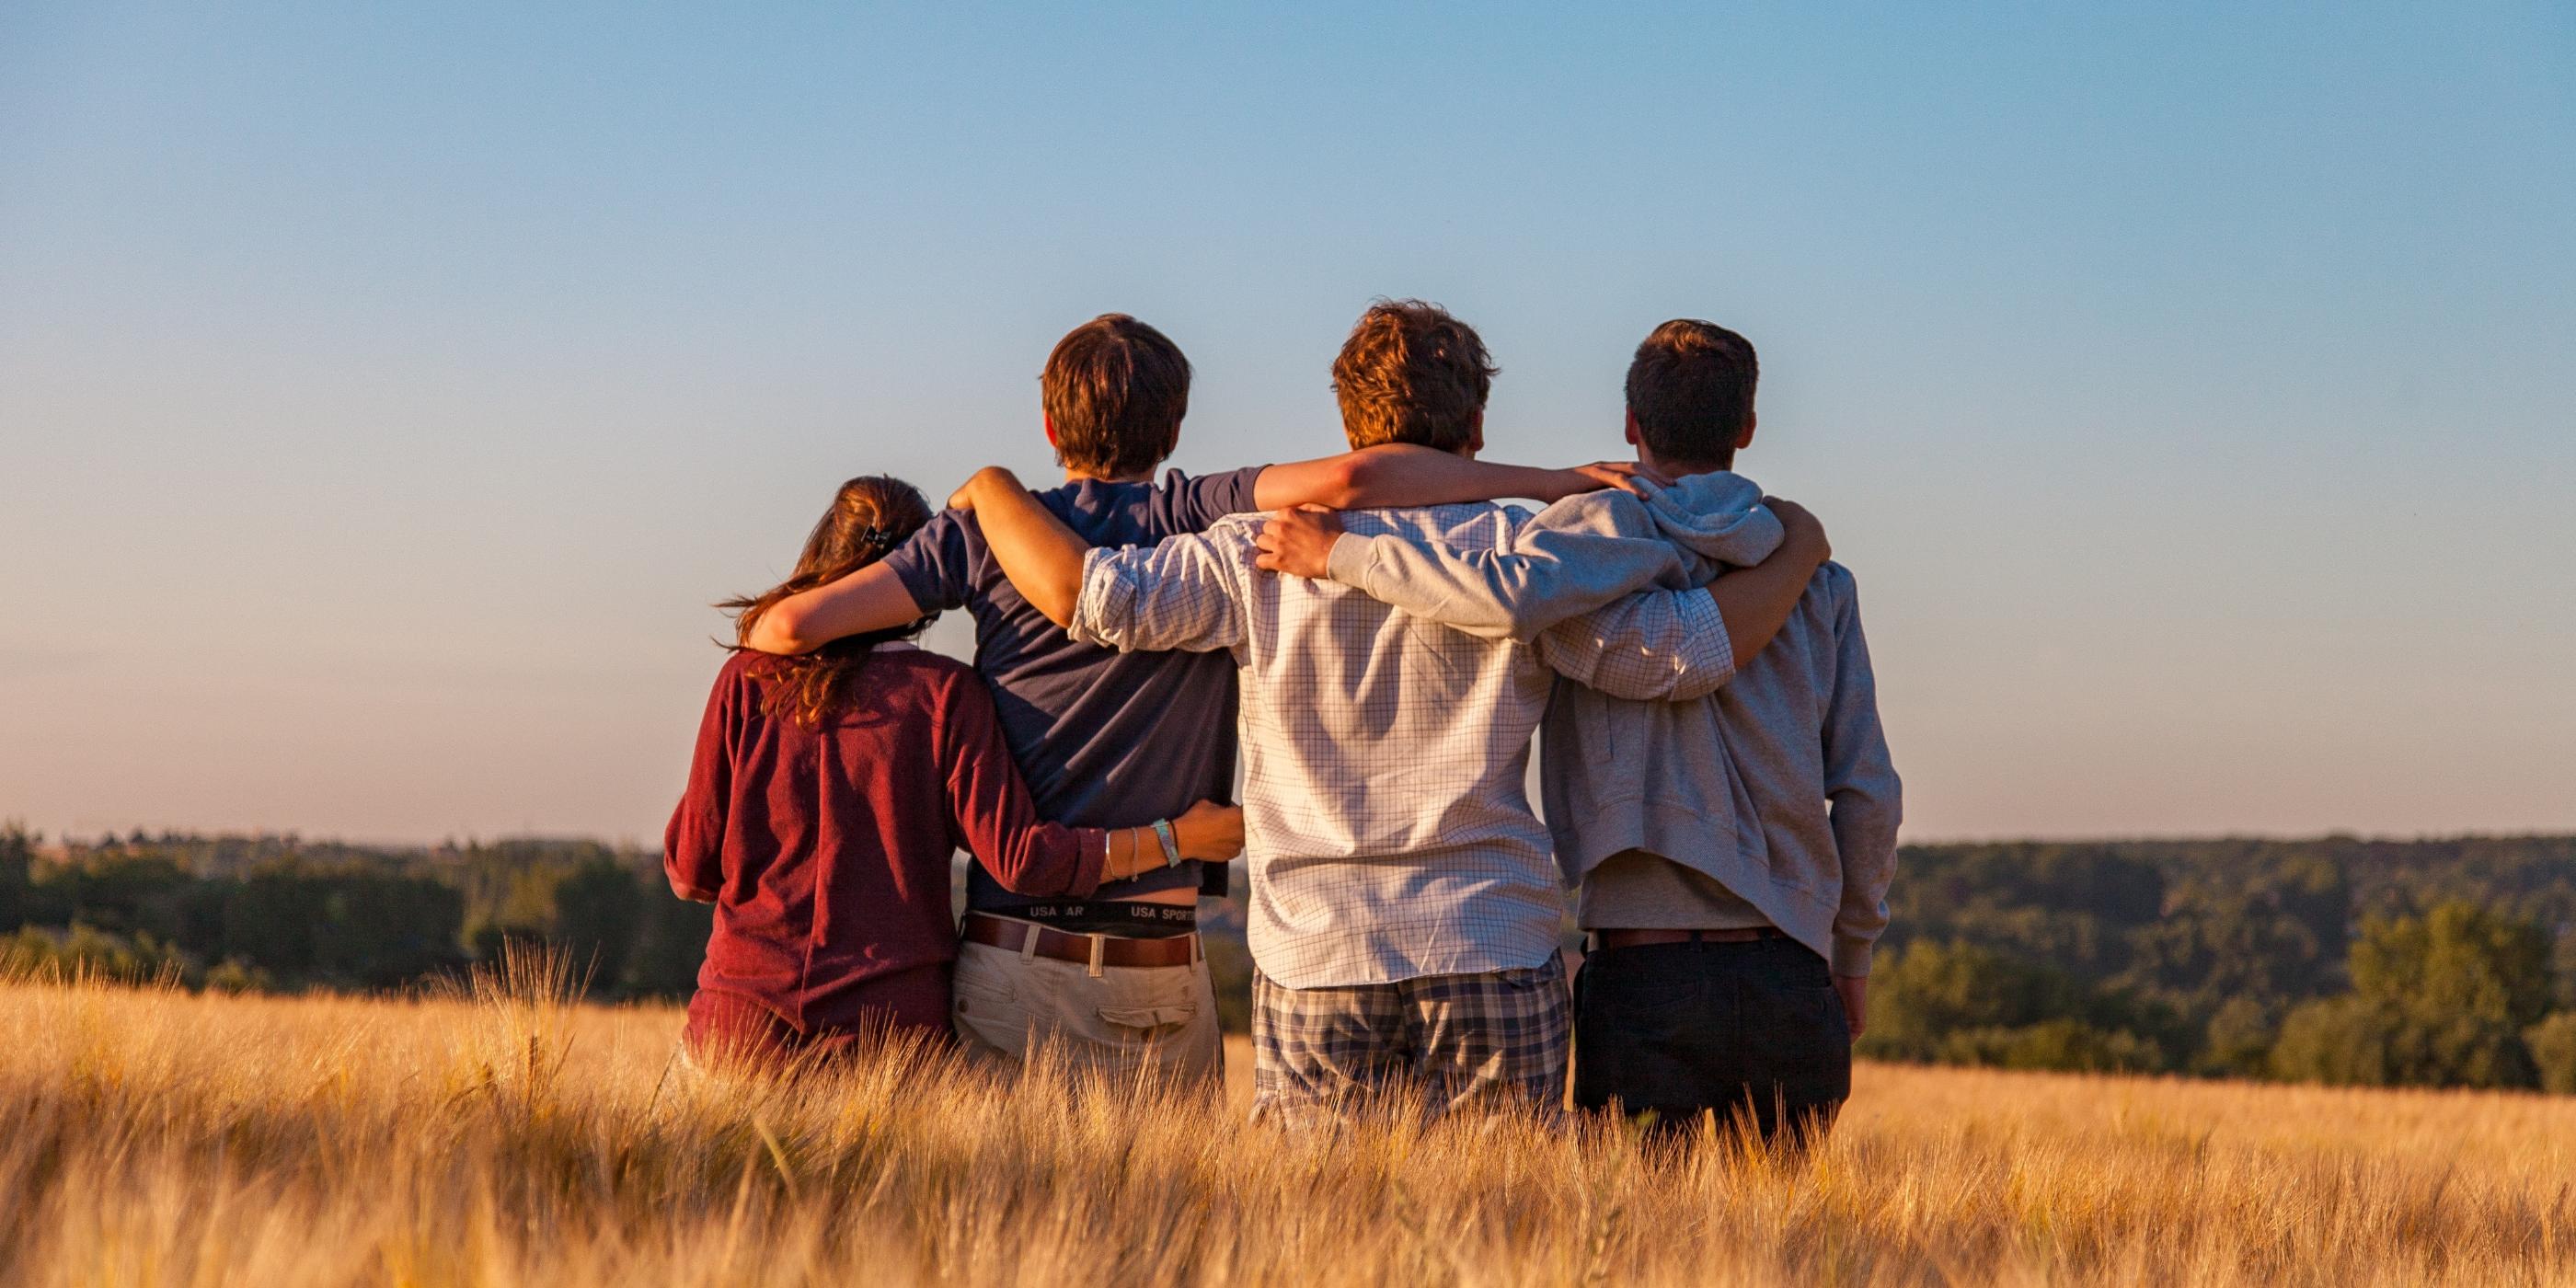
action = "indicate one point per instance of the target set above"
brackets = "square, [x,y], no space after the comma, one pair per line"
[1836,586]
[942,527]
[738,681]
[743,667]
[1477,522]
[1226,538]
[1466,523]
[1610,511]
[932,680]
[1236,528]
[931,562]
[1223,481]
[914,662]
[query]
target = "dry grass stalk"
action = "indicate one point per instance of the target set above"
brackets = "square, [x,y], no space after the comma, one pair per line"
[508,1135]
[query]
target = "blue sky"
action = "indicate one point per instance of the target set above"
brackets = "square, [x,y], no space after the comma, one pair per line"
[384,395]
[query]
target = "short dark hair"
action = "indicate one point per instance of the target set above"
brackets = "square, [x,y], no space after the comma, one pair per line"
[1115,390]
[1410,373]
[1691,390]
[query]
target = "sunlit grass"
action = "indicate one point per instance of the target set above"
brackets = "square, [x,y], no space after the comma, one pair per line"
[508,1135]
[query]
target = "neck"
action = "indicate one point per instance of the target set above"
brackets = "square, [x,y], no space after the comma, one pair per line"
[1077,476]
[1684,469]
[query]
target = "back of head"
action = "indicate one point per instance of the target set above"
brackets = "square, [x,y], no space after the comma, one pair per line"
[1691,390]
[1115,390]
[869,517]
[1410,373]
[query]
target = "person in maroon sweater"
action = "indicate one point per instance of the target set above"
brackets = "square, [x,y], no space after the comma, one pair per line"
[826,796]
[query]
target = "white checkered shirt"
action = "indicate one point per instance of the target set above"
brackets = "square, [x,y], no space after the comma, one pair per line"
[1387,829]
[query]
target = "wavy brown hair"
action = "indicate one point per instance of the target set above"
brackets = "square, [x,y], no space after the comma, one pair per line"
[1410,373]
[869,517]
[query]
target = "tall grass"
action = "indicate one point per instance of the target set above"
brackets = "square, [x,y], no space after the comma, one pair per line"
[507,1134]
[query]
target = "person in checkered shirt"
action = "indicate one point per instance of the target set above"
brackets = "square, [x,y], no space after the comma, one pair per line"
[1405,905]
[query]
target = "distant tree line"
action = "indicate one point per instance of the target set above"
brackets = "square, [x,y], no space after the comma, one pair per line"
[275,912]
[2447,963]
[2426,963]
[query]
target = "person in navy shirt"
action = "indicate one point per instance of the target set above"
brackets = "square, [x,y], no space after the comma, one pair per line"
[1115,980]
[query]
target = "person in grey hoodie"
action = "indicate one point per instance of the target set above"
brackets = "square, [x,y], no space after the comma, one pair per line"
[1733,853]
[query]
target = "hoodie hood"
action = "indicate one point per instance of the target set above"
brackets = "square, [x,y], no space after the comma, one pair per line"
[1718,517]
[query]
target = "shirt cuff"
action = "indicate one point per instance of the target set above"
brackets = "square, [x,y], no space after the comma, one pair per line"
[1851,956]
[1108,599]
[1349,561]
[1090,867]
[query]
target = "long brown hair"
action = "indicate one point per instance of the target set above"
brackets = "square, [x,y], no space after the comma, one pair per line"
[869,516]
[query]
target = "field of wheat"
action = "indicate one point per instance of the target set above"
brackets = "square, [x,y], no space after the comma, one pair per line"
[514,1136]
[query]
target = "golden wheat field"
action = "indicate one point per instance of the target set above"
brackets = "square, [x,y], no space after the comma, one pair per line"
[514,1136]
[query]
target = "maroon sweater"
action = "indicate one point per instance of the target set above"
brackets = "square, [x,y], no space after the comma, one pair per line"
[826,851]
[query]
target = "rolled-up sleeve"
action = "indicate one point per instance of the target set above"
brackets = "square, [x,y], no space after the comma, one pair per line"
[990,815]
[693,845]
[1663,646]
[1181,595]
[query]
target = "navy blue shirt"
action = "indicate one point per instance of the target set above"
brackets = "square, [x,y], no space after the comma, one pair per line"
[1105,739]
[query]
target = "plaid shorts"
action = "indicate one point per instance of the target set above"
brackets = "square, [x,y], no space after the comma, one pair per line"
[1440,1043]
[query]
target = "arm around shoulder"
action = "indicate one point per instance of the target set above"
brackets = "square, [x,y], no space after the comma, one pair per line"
[872,599]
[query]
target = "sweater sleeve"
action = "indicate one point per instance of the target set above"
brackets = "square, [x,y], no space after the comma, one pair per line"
[693,845]
[990,814]
[1569,559]
[1861,783]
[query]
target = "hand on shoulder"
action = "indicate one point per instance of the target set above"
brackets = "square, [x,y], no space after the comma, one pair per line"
[1802,534]
[978,484]
[1632,477]
[1299,542]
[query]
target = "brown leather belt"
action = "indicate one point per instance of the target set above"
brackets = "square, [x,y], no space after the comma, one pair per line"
[1641,938]
[999,932]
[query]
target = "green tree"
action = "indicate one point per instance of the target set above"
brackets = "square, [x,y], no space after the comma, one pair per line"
[669,946]
[598,913]
[2553,1052]
[17,873]
[2239,1039]
[2438,1000]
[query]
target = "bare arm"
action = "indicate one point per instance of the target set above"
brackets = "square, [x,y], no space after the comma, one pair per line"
[871,599]
[1756,601]
[1403,474]
[1041,556]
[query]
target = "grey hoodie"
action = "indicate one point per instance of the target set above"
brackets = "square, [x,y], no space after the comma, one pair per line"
[1779,785]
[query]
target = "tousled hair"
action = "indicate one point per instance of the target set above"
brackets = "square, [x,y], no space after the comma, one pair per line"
[1410,373]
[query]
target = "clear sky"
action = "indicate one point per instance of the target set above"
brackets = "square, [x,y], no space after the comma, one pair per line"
[384,396]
